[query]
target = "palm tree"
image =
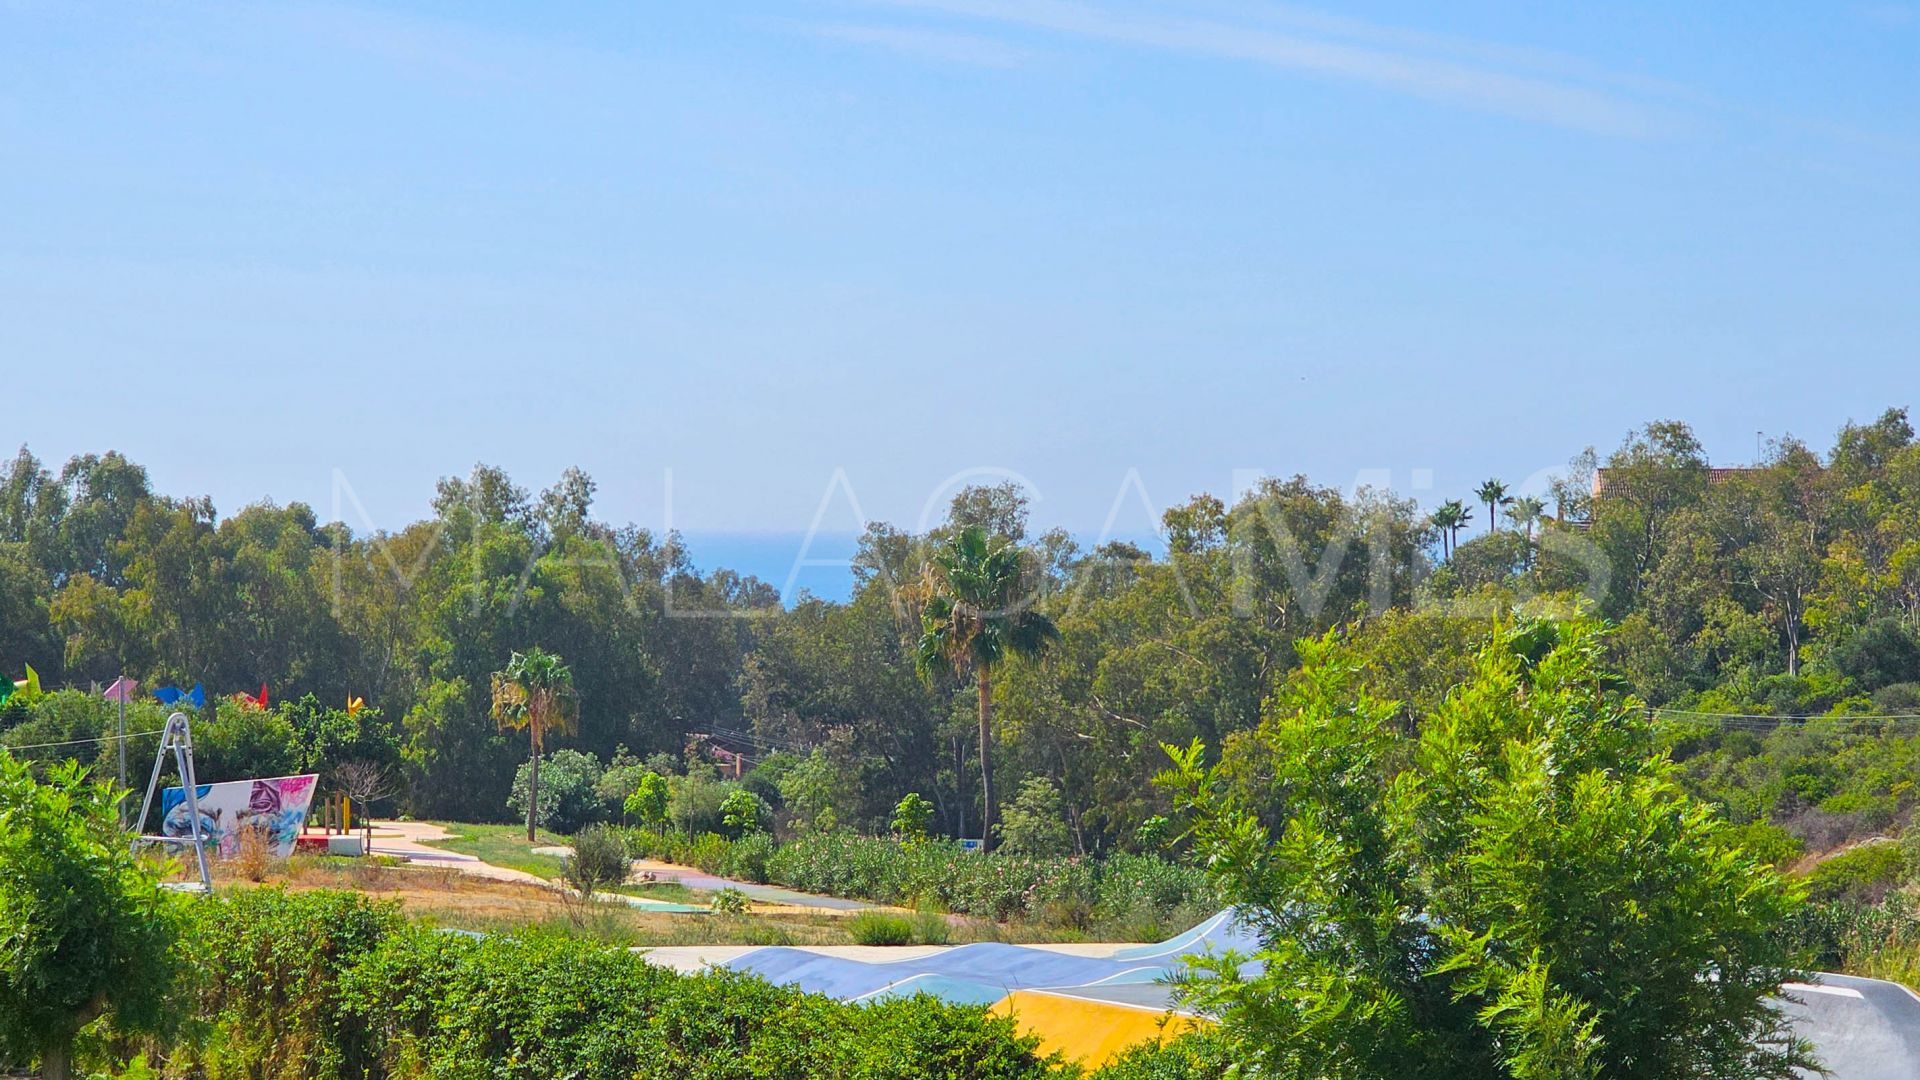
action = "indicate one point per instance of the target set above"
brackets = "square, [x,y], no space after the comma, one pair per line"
[1450,517]
[1493,493]
[535,692]
[1525,511]
[974,616]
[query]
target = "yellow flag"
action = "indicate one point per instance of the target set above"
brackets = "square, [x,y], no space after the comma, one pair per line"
[30,684]
[354,704]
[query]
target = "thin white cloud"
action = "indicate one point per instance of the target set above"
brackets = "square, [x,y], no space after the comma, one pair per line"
[1545,89]
[939,45]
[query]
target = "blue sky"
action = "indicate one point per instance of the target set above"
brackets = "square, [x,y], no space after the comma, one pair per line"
[1123,251]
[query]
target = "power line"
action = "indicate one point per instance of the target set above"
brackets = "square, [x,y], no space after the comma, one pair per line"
[1756,720]
[83,742]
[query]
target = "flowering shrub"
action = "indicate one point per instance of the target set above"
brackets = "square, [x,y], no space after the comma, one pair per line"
[1142,893]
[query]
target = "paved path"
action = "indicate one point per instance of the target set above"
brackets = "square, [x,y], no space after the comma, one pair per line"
[766,894]
[1863,1029]
[405,840]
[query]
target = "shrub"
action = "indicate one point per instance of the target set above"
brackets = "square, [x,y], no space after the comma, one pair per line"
[85,930]
[880,928]
[255,855]
[330,986]
[747,857]
[568,799]
[270,965]
[1866,872]
[599,859]
[1769,843]
[930,928]
[729,901]
[912,818]
[1196,1056]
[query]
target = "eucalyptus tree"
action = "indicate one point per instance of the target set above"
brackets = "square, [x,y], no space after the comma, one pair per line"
[534,692]
[976,613]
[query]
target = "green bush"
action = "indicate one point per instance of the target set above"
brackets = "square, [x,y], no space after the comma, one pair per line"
[1128,895]
[1770,843]
[747,857]
[599,859]
[85,929]
[329,986]
[1197,1056]
[1867,872]
[880,928]
[270,966]
[569,799]
[912,818]
[930,928]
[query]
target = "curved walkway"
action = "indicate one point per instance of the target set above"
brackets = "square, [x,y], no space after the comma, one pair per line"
[1863,1029]
[694,878]
[406,840]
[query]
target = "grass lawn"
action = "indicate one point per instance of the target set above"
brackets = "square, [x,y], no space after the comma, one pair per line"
[502,845]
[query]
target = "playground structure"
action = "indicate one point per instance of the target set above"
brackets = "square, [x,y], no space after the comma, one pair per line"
[336,824]
[1089,1002]
[271,812]
[178,738]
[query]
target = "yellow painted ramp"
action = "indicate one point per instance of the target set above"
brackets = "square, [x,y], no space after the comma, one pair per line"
[1087,1031]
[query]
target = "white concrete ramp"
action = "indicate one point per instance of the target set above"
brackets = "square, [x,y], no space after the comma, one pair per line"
[1863,1029]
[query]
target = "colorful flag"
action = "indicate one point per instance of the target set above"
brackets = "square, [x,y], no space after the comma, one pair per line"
[27,688]
[173,695]
[121,690]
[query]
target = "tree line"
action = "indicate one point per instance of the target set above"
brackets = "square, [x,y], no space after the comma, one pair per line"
[1791,587]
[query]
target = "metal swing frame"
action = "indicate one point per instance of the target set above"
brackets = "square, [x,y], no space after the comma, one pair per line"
[178,737]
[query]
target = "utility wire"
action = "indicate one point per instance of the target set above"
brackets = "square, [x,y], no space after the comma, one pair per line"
[1787,716]
[82,742]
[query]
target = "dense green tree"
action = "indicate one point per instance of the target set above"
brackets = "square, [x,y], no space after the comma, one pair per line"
[87,930]
[1461,906]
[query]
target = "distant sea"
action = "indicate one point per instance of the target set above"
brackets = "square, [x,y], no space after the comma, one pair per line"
[774,558]
[787,562]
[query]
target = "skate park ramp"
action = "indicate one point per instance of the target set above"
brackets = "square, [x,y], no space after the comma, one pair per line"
[1090,1001]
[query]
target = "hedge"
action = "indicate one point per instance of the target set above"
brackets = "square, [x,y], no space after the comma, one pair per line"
[940,874]
[334,986]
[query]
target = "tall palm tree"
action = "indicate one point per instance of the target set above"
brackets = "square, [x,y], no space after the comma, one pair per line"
[535,692]
[973,617]
[1493,493]
[1525,511]
[1450,517]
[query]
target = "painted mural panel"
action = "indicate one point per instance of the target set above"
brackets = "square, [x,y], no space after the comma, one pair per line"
[277,807]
